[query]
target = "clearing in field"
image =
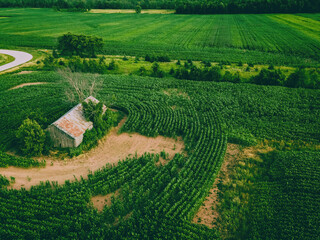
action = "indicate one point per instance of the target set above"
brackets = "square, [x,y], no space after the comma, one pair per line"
[208,214]
[110,150]
[100,201]
[27,84]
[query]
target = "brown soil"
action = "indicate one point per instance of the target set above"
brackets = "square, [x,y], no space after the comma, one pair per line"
[100,201]
[175,91]
[208,213]
[28,84]
[24,72]
[110,150]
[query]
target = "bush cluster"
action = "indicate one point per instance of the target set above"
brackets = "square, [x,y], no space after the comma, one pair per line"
[301,78]
[192,72]
[77,64]
[151,58]
[31,138]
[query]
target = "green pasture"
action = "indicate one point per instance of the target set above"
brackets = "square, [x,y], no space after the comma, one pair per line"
[4,59]
[269,38]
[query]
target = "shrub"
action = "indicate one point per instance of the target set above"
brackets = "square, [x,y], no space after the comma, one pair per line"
[142,71]
[163,59]
[304,79]
[269,77]
[3,181]
[31,138]
[156,71]
[138,9]
[55,54]
[271,67]
[112,65]
[93,111]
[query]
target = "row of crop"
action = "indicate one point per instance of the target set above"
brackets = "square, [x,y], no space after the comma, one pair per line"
[148,193]
[286,198]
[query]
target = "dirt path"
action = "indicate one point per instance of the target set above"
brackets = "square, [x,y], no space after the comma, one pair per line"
[111,149]
[28,84]
[20,58]
[208,213]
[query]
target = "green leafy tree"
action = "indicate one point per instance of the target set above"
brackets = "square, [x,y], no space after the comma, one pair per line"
[31,138]
[269,77]
[80,45]
[297,79]
[93,112]
[138,9]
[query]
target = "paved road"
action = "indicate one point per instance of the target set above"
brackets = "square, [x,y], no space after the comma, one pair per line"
[20,57]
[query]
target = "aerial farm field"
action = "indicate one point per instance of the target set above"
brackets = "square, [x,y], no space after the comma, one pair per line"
[189,159]
[266,38]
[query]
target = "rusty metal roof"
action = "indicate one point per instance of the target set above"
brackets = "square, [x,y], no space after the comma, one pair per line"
[73,122]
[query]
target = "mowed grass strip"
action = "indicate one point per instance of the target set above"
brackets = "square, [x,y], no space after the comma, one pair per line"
[307,26]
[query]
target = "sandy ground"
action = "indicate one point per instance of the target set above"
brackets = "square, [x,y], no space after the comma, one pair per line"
[24,72]
[100,201]
[110,150]
[208,211]
[20,58]
[27,84]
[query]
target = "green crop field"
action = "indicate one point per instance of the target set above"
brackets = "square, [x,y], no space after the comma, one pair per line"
[269,38]
[271,193]
[286,203]
[205,114]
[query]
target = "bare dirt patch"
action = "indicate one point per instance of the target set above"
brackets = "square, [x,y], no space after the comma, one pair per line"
[176,92]
[24,72]
[100,201]
[27,84]
[208,213]
[111,149]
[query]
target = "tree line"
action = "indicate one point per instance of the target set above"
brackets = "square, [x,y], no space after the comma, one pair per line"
[181,7]
[246,6]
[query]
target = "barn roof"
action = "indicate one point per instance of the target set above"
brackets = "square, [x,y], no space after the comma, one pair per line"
[73,122]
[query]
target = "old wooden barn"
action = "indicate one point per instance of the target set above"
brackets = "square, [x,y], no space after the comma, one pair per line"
[68,130]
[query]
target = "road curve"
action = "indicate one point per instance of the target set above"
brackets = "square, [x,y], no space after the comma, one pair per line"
[20,58]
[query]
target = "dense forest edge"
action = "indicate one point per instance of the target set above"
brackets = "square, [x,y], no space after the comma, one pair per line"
[181,7]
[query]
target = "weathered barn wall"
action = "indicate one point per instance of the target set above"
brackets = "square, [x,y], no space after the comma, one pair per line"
[60,138]
[68,130]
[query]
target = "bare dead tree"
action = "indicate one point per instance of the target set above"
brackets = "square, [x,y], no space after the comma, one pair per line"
[79,86]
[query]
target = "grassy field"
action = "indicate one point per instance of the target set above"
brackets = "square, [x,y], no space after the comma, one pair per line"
[286,197]
[4,59]
[269,38]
